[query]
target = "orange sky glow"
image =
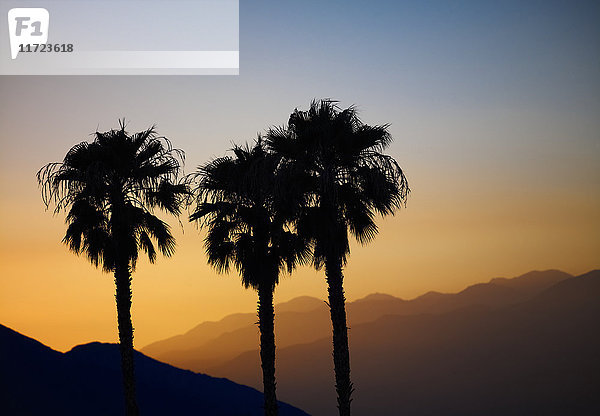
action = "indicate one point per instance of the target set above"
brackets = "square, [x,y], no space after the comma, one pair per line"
[494,119]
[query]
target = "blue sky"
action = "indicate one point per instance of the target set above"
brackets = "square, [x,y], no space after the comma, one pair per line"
[493,106]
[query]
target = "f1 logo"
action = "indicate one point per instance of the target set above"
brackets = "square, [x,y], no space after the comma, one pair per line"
[27,26]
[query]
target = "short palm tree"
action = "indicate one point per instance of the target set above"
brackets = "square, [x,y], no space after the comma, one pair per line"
[244,201]
[350,180]
[110,188]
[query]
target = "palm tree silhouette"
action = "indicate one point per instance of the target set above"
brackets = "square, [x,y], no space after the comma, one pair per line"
[245,203]
[110,188]
[350,180]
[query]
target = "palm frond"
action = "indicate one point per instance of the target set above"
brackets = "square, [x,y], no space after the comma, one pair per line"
[117,178]
[345,178]
[239,201]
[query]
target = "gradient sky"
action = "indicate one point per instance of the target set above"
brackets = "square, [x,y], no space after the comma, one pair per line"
[494,107]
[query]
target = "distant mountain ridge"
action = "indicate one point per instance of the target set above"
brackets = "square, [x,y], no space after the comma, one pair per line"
[306,319]
[533,280]
[210,330]
[536,357]
[522,346]
[37,380]
[423,356]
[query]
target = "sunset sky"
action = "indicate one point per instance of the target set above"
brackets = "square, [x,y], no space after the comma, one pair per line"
[495,112]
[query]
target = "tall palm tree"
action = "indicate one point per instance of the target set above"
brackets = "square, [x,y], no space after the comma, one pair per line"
[110,188]
[350,180]
[244,202]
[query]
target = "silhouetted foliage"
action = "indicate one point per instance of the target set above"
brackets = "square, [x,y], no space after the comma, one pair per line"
[110,188]
[245,203]
[338,164]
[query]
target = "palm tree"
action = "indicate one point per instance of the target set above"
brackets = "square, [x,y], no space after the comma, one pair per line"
[110,188]
[244,203]
[350,180]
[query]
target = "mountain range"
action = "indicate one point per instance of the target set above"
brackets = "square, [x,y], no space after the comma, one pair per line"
[35,380]
[521,346]
[306,319]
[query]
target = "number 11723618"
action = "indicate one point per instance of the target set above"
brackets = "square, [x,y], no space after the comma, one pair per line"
[46,47]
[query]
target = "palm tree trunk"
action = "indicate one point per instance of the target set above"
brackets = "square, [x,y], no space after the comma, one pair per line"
[123,297]
[341,354]
[266,316]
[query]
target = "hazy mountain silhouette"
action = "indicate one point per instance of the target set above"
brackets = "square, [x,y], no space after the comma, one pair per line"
[87,381]
[497,292]
[305,319]
[212,343]
[537,357]
[207,331]
[300,304]
[532,281]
